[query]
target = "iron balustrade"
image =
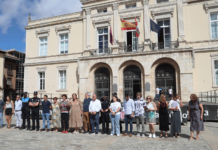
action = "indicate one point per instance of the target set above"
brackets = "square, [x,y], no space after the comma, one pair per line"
[100,51]
[165,45]
[131,48]
[209,96]
[10,73]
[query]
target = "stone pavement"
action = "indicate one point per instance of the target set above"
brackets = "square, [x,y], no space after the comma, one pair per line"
[11,139]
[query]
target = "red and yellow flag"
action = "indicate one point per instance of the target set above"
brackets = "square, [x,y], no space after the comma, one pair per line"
[125,25]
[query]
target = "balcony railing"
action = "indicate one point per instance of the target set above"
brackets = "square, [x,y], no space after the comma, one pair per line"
[10,86]
[100,51]
[132,48]
[209,96]
[165,45]
[10,73]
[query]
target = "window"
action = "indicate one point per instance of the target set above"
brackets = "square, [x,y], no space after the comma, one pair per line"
[102,11]
[132,41]
[41,80]
[161,1]
[103,40]
[8,81]
[216,71]
[9,67]
[63,43]
[214,25]
[62,79]
[130,6]
[164,37]
[43,46]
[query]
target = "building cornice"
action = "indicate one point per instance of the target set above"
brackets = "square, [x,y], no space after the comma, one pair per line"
[108,20]
[161,5]
[130,10]
[102,14]
[42,31]
[132,15]
[64,27]
[162,11]
[210,6]
[49,62]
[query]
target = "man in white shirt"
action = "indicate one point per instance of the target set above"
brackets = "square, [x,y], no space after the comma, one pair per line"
[94,109]
[170,92]
[157,96]
[18,112]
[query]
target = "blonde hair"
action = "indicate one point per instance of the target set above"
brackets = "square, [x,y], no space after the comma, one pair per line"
[150,97]
[139,94]
[161,98]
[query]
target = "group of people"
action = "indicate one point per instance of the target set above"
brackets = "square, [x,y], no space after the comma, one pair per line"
[72,114]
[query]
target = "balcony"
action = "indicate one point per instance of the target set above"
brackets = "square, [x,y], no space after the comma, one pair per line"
[165,45]
[10,86]
[100,51]
[10,73]
[130,49]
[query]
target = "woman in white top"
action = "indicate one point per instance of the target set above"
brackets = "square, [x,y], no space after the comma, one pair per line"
[115,116]
[9,110]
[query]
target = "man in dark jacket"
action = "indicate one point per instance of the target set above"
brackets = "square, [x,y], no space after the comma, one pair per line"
[105,103]
[86,117]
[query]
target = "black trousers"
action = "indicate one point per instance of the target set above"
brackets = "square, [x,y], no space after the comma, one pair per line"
[105,119]
[35,115]
[65,121]
[26,116]
[121,128]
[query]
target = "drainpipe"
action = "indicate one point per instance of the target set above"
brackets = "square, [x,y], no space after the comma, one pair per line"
[193,58]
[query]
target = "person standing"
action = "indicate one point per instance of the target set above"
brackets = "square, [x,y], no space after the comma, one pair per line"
[150,116]
[2,104]
[86,116]
[163,115]
[46,106]
[128,108]
[118,100]
[64,113]
[9,110]
[105,103]
[18,112]
[25,111]
[94,108]
[196,111]
[140,105]
[34,105]
[157,96]
[170,91]
[56,115]
[76,113]
[115,116]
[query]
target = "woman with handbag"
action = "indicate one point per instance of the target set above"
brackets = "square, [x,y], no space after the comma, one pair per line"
[9,110]
[76,113]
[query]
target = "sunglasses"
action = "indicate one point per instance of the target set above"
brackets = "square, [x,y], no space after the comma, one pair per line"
[148,98]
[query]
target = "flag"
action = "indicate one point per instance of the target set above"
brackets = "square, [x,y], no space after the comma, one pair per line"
[154,27]
[125,25]
[111,37]
[137,28]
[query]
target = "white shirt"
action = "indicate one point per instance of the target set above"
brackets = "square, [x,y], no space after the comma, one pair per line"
[128,106]
[18,105]
[95,106]
[170,91]
[170,106]
[139,107]
[157,90]
[114,106]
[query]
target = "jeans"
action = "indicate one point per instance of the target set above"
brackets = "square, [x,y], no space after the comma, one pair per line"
[45,115]
[1,118]
[128,118]
[93,119]
[141,118]
[115,125]
[157,96]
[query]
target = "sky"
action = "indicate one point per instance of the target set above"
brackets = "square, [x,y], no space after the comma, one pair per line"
[14,17]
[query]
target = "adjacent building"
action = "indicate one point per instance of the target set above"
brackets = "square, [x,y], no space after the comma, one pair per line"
[72,53]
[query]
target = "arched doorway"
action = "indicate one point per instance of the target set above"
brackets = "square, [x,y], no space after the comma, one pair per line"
[165,78]
[102,82]
[132,80]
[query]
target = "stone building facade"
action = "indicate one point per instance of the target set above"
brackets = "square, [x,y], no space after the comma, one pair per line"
[72,53]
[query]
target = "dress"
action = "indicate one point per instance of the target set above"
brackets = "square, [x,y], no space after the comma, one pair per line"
[150,115]
[56,116]
[195,116]
[163,117]
[75,114]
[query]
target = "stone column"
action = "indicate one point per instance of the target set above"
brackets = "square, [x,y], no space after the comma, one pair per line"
[88,24]
[115,8]
[181,37]
[146,25]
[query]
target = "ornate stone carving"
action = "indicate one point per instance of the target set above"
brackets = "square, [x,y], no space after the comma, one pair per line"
[145,2]
[131,10]
[42,31]
[101,20]
[163,11]
[88,11]
[133,15]
[64,27]
[210,6]
[115,6]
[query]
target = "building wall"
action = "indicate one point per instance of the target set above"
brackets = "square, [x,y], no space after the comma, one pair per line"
[2,61]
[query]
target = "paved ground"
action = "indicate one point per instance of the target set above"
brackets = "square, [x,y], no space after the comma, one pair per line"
[16,139]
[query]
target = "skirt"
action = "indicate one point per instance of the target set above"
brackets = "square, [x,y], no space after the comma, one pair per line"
[175,123]
[164,121]
[150,117]
[8,111]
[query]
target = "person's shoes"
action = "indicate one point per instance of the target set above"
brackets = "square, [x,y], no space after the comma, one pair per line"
[74,132]
[47,130]
[37,129]
[112,134]
[92,133]
[61,132]
[42,129]
[154,136]
[96,133]
[130,135]
[108,132]
[143,135]
[138,135]
[125,134]
[85,132]
[28,129]
[66,132]
[103,132]
[150,135]
[20,128]
[14,127]
[32,129]
[118,135]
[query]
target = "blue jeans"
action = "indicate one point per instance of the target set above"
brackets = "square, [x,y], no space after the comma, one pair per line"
[1,118]
[128,118]
[95,119]
[115,124]
[157,96]
[45,115]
